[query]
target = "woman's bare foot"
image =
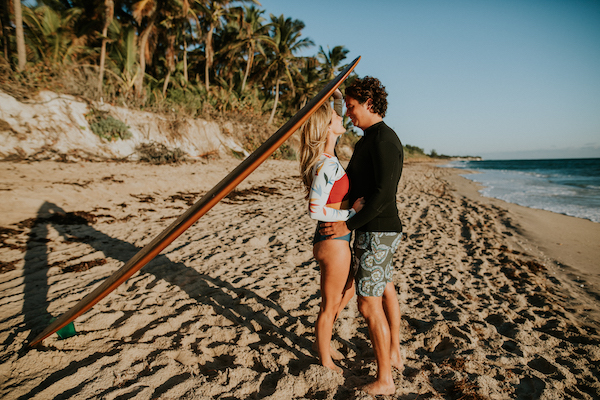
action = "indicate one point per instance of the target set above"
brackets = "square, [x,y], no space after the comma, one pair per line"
[398,363]
[379,388]
[335,354]
[334,368]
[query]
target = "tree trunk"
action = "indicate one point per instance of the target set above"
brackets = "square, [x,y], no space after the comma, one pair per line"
[209,56]
[20,36]
[139,83]
[248,66]
[102,59]
[275,104]
[185,71]
[108,16]
[6,29]
[166,84]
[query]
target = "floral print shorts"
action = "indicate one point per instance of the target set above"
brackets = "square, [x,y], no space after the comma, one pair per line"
[372,261]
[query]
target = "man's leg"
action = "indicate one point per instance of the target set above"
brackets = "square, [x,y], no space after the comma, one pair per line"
[391,306]
[373,254]
[372,310]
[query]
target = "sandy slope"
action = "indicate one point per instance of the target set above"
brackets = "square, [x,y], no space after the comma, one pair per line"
[227,311]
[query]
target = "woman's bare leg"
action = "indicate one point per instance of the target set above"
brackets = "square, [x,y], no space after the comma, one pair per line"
[334,261]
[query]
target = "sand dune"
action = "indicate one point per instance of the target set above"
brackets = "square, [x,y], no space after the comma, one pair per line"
[227,311]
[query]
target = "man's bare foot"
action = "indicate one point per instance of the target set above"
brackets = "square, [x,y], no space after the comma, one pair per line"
[335,354]
[377,387]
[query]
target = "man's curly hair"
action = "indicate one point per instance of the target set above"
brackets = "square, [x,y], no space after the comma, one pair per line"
[369,88]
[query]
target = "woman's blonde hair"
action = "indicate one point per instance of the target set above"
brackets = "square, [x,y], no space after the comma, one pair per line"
[313,135]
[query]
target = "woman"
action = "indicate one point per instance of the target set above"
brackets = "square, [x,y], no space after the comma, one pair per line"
[327,188]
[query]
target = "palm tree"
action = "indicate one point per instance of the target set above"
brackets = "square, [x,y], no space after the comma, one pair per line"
[331,60]
[109,10]
[189,20]
[172,18]
[148,11]
[228,61]
[123,56]
[251,36]
[212,13]
[284,43]
[51,35]
[309,81]
[169,60]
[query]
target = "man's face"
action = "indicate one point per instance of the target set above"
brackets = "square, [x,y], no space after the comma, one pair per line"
[358,113]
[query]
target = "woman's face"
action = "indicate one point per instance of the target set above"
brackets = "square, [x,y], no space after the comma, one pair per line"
[336,126]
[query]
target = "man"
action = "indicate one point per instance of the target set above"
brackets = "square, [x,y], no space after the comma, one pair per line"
[374,171]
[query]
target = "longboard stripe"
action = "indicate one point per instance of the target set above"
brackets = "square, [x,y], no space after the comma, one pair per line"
[201,207]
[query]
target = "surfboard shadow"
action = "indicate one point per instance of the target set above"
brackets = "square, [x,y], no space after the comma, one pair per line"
[221,295]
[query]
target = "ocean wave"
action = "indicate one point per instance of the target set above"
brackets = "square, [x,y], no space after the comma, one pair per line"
[569,192]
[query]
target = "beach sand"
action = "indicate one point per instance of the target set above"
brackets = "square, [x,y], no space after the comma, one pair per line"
[498,301]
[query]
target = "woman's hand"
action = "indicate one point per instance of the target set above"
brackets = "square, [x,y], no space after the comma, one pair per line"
[358,204]
[337,94]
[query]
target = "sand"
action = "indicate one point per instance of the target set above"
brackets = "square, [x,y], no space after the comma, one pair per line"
[498,301]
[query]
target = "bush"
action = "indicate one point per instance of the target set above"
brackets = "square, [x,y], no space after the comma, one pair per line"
[107,127]
[414,150]
[158,153]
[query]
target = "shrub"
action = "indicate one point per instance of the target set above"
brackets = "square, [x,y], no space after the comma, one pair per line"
[158,153]
[414,150]
[107,127]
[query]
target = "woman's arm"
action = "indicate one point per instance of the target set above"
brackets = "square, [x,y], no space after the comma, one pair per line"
[328,171]
[338,102]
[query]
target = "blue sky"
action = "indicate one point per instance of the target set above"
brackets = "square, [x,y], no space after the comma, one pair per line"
[495,78]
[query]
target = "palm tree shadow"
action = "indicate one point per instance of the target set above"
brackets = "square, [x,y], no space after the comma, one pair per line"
[222,296]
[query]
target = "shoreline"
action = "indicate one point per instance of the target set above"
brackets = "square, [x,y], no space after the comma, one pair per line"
[571,242]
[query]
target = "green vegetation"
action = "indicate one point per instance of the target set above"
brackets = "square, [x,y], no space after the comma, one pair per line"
[106,126]
[413,151]
[200,58]
[418,152]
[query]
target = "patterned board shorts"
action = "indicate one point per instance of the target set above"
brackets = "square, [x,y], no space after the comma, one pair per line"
[372,261]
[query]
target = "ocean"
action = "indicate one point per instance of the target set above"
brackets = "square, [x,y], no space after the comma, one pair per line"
[569,186]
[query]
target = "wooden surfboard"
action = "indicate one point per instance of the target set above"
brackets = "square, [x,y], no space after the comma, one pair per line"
[222,189]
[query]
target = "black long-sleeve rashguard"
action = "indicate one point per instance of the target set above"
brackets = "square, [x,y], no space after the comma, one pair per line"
[374,172]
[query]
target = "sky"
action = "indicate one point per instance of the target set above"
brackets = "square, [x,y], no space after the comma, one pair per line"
[500,79]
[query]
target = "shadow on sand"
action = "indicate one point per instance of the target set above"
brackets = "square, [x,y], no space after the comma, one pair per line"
[205,289]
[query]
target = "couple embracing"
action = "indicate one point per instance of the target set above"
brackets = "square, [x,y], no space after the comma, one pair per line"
[369,186]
